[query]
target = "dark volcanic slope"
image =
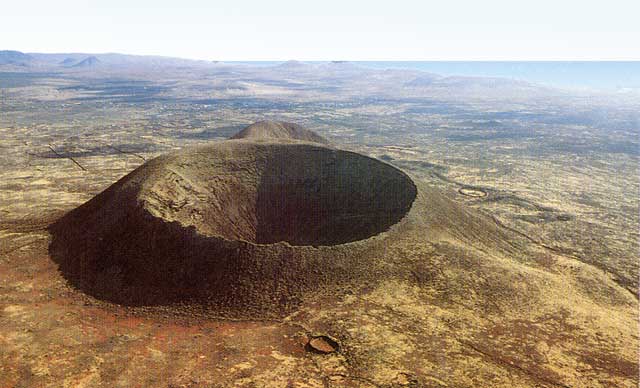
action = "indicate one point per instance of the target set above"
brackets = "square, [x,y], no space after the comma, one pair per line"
[279,130]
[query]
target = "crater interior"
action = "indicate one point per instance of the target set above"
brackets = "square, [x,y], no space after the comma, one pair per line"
[270,192]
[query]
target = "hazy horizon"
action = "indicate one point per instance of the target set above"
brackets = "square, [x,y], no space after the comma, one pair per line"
[609,75]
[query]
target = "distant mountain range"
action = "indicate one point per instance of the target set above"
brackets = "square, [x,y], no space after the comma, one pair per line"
[417,76]
[327,74]
[330,74]
[39,60]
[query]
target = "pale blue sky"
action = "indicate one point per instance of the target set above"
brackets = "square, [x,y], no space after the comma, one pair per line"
[329,29]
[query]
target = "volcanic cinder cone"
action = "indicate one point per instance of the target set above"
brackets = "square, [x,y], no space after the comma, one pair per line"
[279,130]
[246,226]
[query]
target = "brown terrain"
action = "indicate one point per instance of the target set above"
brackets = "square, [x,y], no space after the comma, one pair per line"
[268,261]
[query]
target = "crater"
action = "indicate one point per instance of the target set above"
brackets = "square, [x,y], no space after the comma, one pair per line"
[267,193]
[472,192]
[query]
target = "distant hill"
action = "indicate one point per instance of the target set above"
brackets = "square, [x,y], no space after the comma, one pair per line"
[490,82]
[295,67]
[11,57]
[292,64]
[279,130]
[341,65]
[422,81]
[68,62]
[343,69]
[88,62]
